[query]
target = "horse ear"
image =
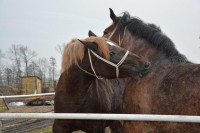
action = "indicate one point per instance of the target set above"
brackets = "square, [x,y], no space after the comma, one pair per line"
[90,33]
[112,15]
[90,45]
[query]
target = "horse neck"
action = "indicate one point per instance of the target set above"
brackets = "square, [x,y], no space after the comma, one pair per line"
[75,80]
[143,48]
[84,90]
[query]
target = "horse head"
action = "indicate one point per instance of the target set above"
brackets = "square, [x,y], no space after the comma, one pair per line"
[126,30]
[116,62]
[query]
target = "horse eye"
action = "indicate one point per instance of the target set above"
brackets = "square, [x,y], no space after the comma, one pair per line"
[105,33]
[112,53]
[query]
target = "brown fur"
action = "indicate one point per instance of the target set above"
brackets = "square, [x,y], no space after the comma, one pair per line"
[78,92]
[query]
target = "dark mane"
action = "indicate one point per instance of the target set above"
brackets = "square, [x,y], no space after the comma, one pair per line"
[152,34]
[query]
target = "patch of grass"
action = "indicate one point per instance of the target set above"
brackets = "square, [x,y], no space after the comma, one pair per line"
[47,129]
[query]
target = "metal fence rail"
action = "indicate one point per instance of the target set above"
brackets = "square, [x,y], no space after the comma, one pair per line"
[31,95]
[90,116]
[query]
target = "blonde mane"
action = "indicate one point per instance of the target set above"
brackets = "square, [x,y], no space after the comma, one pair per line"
[74,51]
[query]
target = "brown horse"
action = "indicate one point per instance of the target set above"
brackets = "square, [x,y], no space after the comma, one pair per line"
[80,88]
[171,87]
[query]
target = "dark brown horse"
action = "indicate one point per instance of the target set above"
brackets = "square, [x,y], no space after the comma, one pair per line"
[171,87]
[79,90]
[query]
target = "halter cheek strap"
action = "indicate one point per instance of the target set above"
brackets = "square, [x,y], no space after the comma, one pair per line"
[112,33]
[120,41]
[98,77]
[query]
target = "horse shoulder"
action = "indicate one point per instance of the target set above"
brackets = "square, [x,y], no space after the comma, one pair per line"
[179,90]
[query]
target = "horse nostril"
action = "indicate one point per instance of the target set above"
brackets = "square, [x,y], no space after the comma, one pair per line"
[146,65]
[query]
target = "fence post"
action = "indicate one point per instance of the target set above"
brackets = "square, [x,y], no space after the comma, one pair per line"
[5,103]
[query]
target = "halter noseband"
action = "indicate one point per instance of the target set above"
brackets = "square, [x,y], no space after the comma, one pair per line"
[106,61]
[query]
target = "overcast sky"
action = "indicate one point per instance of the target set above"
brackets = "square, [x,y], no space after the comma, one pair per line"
[42,24]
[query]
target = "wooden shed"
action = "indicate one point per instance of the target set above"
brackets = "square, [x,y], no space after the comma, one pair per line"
[31,85]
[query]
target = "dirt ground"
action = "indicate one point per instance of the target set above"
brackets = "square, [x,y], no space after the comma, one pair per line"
[30,125]
[13,125]
[30,109]
[26,125]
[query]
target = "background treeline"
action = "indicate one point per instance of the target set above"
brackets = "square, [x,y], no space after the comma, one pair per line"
[20,61]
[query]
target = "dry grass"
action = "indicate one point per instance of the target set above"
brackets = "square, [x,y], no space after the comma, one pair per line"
[47,129]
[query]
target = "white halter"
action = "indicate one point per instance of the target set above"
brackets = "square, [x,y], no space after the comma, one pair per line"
[120,41]
[107,61]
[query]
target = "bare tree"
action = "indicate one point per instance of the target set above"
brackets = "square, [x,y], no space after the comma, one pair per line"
[33,69]
[27,55]
[14,54]
[43,66]
[2,67]
[59,48]
[1,54]
[14,75]
[52,62]
[8,75]
[50,72]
